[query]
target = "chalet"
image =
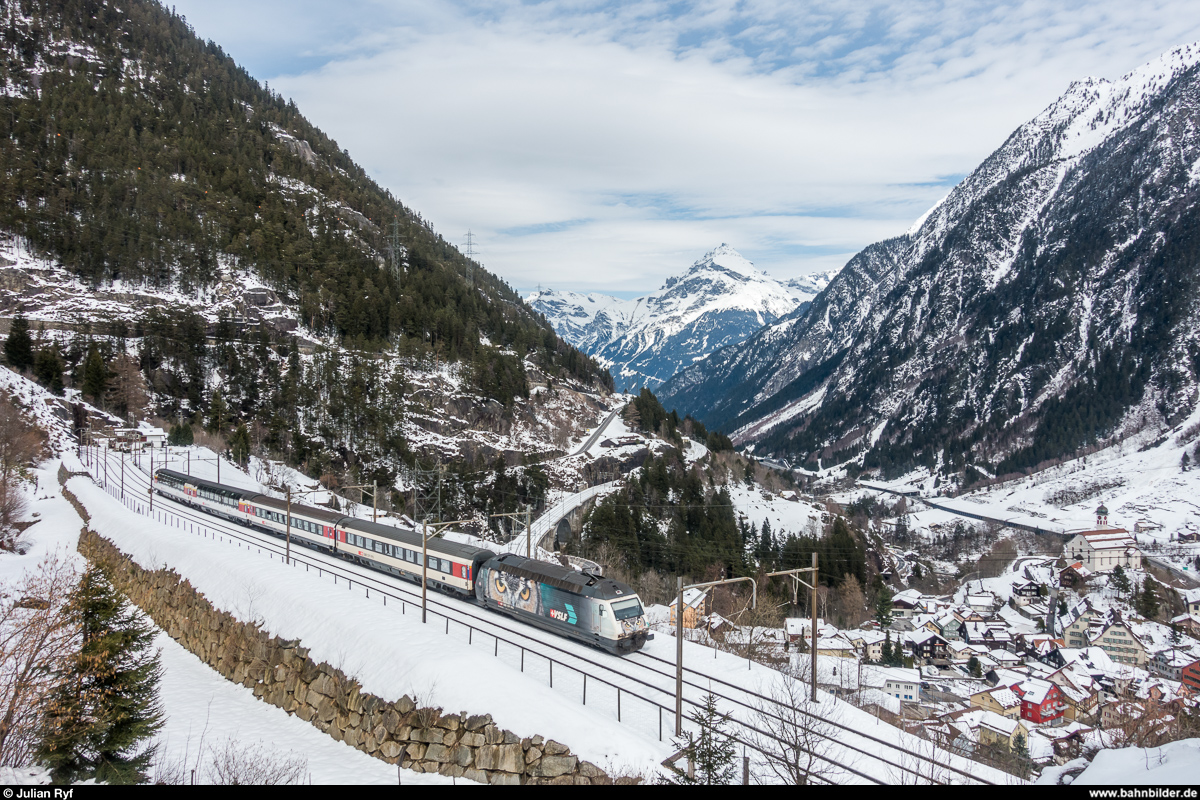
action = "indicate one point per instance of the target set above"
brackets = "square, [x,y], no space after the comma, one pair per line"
[1080,693]
[928,648]
[1191,598]
[906,604]
[1071,744]
[986,728]
[983,602]
[948,626]
[1024,593]
[1041,701]
[1188,623]
[694,603]
[1074,575]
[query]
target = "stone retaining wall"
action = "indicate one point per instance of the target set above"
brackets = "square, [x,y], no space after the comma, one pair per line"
[280,672]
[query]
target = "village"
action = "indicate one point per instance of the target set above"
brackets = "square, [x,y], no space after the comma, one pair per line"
[1051,660]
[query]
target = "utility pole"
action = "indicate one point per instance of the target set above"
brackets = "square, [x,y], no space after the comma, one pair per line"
[288,556]
[812,587]
[122,476]
[374,493]
[679,636]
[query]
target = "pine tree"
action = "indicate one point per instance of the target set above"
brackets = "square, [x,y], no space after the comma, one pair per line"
[18,347]
[975,667]
[95,375]
[106,706]
[883,608]
[711,751]
[1147,603]
[1120,580]
[239,445]
[218,413]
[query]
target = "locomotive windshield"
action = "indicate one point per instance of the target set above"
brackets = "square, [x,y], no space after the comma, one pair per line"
[627,609]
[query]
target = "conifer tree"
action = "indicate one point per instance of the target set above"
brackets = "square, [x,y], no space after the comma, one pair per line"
[106,706]
[95,375]
[883,608]
[239,445]
[218,412]
[1120,580]
[711,751]
[1147,599]
[18,347]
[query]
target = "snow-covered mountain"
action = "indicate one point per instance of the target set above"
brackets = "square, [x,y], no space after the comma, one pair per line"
[1050,300]
[719,301]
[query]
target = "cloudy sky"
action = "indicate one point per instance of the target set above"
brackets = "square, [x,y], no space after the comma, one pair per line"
[604,146]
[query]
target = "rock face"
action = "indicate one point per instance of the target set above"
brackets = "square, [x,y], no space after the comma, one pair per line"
[280,672]
[1052,299]
[719,301]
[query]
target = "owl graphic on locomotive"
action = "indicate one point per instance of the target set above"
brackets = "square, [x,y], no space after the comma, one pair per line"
[594,609]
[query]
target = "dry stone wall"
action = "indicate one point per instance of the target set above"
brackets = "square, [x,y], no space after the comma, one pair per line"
[282,673]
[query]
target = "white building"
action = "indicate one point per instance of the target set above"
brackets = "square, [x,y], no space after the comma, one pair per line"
[1102,550]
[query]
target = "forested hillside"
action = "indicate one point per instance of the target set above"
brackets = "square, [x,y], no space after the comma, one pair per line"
[139,158]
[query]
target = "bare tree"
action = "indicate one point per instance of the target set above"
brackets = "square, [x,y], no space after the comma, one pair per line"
[37,638]
[797,738]
[20,443]
[238,764]
[127,393]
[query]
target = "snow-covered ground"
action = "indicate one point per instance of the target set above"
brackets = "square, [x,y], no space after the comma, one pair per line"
[799,517]
[1173,764]
[202,709]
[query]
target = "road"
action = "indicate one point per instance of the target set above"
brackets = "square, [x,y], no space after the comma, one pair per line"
[1188,577]
[598,432]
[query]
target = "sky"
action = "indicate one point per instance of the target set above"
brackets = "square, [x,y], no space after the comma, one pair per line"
[604,146]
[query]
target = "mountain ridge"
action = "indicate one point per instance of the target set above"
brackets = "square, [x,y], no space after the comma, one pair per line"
[1027,314]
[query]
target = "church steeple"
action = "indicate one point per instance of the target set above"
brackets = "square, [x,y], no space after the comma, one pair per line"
[1101,517]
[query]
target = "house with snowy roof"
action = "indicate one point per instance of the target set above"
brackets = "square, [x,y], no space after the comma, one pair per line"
[694,603]
[928,647]
[1041,701]
[985,728]
[1000,699]
[902,683]
[1080,692]
[1121,643]
[1191,598]
[1074,575]
[906,604]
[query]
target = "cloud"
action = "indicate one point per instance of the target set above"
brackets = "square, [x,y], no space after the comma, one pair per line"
[607,145]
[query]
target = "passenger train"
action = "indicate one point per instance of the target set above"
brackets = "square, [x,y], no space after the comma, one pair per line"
[593,609]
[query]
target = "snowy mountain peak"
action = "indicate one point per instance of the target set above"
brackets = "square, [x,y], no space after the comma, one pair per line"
[721,299]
